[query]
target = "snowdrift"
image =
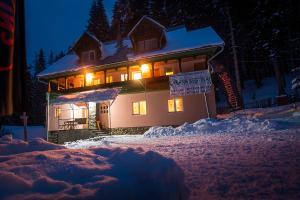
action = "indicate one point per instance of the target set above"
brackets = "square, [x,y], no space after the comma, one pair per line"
[236,124]
[40,170]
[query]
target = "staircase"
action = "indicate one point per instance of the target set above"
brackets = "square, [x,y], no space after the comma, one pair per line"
[231,92]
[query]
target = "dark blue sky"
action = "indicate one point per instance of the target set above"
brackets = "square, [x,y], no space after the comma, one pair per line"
[56,24]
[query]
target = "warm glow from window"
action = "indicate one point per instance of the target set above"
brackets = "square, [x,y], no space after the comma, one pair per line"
[124,77]
[169,71]
[145,68]
[139,108]
[57,112]
[175,105]
[109,79]
[171,105]
[89,79]
[137,75]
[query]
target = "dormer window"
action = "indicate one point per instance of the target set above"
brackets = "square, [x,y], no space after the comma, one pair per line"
[148,45]
[88,56]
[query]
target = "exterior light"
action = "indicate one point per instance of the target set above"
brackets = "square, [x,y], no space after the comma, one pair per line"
[145,68]
[137,76]
[89,78]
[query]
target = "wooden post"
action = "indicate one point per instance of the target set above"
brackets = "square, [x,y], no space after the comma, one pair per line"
[180,64]
[24,118]
[152,65]
[127,71]
[105,76]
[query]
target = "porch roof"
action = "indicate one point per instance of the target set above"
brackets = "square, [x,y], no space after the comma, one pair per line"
[87,96]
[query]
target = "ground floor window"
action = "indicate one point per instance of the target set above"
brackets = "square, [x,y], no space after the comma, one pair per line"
[139,108]
[57,112]
[175,105]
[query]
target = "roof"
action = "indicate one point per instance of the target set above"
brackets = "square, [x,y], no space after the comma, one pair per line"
[69,62]
[99,95]
[179,40]
[142,19]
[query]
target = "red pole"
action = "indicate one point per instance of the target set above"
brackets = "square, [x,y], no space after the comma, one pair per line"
[7,31]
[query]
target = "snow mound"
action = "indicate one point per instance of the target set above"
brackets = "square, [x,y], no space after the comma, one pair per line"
[98,173]
[237,124]
[8,146]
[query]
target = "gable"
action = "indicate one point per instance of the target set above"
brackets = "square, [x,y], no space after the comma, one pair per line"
[147,35]
[85,46]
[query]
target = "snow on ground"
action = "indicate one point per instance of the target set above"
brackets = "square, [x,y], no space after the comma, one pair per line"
[40,170]
[18,132]
[250,154]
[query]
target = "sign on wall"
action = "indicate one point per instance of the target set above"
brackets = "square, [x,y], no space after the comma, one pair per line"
[190,83]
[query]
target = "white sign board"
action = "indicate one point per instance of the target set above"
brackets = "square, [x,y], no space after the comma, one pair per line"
[190,83]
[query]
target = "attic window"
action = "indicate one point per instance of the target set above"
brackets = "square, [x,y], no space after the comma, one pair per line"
[147,45]
[88,56]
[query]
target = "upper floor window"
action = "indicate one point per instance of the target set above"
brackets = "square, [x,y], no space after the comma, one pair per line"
[148,45]
[124,77]
[169,71]
[88,56]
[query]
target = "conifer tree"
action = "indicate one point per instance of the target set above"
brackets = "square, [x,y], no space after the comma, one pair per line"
[98,24]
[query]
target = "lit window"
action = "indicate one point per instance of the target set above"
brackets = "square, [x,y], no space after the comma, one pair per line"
[169,71]
[175,105]
[109,79]
[57,112]
[139,108]
[124,77]
[136,75]
[89,79]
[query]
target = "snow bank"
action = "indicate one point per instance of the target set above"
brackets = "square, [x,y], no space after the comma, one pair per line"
[8,146]
[236,124]
[100,173]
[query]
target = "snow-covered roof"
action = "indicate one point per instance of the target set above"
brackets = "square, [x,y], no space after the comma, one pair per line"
[69,62]
[87,96]
[180,40]
[142,19]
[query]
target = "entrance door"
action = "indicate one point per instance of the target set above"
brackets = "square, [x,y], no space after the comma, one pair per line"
[103,112]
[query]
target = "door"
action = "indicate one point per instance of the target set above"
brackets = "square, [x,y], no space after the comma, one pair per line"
[103,119]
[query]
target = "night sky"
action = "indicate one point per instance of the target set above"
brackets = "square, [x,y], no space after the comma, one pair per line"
[56,24]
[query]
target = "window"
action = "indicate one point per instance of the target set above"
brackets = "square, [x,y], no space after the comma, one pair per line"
[61,83]
[200,66]
[175,105]
[124,77]
[137,75]
[169,71]
[109,79]
[147,45]
[103,109]
[57,112]
[139,108]
[88,56]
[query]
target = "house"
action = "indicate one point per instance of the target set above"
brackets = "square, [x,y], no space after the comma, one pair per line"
[123,86]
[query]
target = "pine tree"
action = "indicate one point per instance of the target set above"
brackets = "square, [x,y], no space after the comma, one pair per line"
[51,58]
[98,23]
[40,62]
[126,14]
[39,90]
[158,11]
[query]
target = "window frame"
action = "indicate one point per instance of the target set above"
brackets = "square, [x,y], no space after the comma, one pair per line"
[175,105]
[139,108]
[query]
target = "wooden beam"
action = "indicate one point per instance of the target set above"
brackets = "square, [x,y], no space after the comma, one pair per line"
[152,66]
[127,71]
[180,64]
[65,83]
